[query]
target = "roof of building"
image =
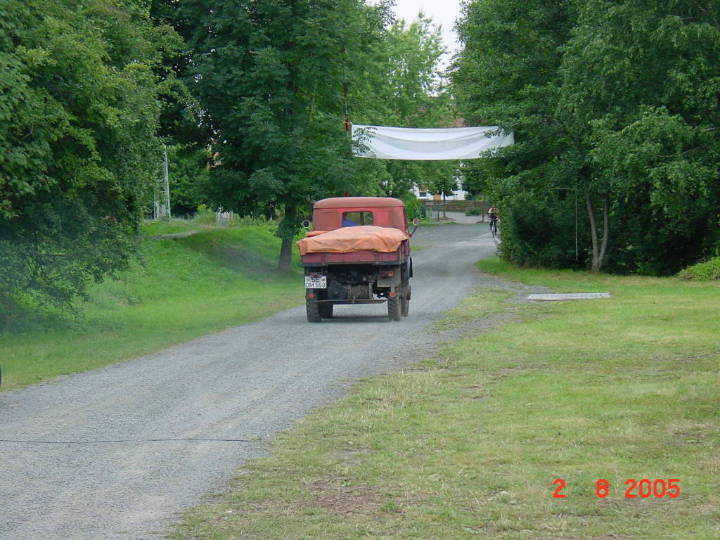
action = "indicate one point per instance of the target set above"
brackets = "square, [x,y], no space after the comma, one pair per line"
[358,202]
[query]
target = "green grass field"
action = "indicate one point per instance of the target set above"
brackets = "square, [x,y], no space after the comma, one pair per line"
[469,444]
[183,288]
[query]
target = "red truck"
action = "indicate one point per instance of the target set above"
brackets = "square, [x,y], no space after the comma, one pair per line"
[358,252]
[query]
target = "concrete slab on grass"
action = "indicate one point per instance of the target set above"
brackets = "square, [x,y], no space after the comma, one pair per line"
[568,296]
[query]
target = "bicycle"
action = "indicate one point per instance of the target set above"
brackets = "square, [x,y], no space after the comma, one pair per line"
[493,227]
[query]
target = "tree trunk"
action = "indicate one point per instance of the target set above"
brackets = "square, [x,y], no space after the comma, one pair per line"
[287,235]
[285,255]
[598,251]
[593,233]
[606,227]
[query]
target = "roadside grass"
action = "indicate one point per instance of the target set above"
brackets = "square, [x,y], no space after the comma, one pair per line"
[425,222]
[183,288]
[468,444]
[152,228]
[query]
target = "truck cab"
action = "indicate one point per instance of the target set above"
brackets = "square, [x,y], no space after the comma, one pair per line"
[330,214]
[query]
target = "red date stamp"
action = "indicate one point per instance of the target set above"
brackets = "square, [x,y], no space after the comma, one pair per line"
[644,488]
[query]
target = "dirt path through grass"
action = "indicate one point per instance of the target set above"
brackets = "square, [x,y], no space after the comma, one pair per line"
[474,441]
[119,451]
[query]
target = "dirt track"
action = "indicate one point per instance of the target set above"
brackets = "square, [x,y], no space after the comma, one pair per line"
[120,451]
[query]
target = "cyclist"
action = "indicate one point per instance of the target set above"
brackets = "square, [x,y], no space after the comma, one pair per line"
[493,215]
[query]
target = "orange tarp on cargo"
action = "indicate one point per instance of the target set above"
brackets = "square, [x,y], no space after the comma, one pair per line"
[352,239]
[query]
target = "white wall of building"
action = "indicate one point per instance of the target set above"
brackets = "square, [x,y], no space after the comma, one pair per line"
[459,194]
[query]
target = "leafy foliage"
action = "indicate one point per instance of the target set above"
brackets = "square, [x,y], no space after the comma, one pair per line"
[638,78]
[270,77]
[405,86]
[613,101]
[78,144]
[189,178]
[508,75]
[703,271]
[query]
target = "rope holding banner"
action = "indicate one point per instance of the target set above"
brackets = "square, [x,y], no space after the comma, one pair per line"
[346,110]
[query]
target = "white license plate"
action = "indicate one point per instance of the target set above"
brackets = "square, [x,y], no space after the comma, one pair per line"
[316,282]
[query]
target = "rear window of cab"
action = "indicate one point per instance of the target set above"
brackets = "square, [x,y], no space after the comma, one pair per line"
[352,219]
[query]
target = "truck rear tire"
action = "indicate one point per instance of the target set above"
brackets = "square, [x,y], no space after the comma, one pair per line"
[394,308]
[405,297]
[313,311]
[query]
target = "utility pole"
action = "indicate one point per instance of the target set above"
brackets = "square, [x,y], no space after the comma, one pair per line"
[162,191]
[166,183]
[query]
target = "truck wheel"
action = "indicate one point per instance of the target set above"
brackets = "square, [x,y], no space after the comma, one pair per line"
[394,308]
[405,299]
[326,311]
[313,311]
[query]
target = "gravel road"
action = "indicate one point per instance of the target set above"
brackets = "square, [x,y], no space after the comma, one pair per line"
[119,452]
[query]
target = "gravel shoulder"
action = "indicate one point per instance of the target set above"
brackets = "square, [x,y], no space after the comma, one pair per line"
[121,451]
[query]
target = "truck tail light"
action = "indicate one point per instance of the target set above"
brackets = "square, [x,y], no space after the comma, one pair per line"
[387,273]
[311,295]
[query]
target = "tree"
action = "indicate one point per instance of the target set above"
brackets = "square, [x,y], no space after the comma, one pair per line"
[78,144]
[405,86]
[507,74]
[638,77]
[612,106]
[270,78]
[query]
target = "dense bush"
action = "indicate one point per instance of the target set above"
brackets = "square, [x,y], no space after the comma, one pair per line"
[189,178]
[414,206]
[534,233]
[703,271]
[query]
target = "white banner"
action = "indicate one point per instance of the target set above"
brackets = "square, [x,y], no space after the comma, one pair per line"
[382,142]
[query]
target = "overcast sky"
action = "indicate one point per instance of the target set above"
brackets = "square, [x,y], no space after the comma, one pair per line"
[442,12]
